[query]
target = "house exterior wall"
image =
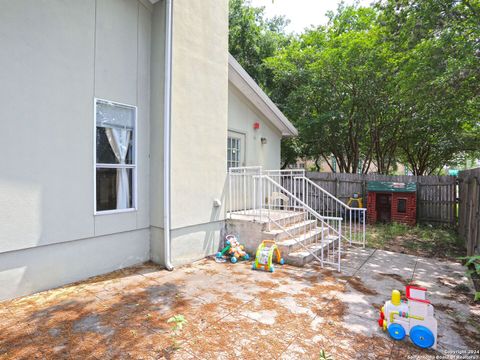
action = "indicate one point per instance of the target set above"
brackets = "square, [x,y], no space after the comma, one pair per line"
[61,56]
[241,117]
[199,126]
[40,268]
[157,167]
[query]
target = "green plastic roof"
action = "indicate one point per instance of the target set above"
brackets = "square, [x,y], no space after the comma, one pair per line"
[387,186]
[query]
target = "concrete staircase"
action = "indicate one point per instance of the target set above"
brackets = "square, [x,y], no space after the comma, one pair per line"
[297,231]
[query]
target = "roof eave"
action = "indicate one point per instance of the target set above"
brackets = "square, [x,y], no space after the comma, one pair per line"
[250,89]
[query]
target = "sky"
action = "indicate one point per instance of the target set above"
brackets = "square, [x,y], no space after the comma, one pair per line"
[302,13]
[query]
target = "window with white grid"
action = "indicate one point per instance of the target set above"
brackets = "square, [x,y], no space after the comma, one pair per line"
[115,157]
[233,152]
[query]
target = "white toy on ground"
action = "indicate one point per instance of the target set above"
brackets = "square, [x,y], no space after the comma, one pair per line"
[413,317]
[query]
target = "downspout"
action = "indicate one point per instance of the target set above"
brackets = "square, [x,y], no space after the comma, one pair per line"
[167,116]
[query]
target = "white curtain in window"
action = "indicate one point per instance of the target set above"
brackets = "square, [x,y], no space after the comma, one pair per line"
[119,140]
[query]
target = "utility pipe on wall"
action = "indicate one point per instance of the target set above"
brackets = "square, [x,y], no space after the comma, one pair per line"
[167,115]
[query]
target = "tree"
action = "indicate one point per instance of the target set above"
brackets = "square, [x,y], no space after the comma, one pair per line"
[394,81]
[437,43]
[253,38]
[333,82]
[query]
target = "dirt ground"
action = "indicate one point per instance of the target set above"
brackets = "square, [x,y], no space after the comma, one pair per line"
[234,312]
[421,240]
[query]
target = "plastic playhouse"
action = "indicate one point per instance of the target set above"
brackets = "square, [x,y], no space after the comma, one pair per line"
[392,201]
[413,317]
[264,256]
[233,249]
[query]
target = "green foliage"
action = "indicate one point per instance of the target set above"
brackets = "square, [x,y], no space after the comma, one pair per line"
[417,240]
[291,151]
[332,82]
[397,81]
[253,38]
[437,49]
[324,355]
[473,262]
[178,322]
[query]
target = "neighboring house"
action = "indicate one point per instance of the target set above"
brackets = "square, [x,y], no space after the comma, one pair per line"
[117,119]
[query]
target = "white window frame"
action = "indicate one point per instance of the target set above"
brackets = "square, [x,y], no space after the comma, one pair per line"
[115,166]
[239,149]
[237,134]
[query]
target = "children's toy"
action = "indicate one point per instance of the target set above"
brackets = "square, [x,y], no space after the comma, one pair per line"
[412,317]
[355,201]
[264,256]
[233,249]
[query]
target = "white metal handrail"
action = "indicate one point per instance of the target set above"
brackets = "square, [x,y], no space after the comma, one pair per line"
[304,205]
[328,194]
[266,188]
[285,177]
[321,258]
[240,189]
[242,198]
[355,218]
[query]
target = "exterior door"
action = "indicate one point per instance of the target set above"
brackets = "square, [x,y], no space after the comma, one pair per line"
[235,149]
[384,207]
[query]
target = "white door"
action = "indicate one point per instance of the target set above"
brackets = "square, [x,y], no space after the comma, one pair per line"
[235,149]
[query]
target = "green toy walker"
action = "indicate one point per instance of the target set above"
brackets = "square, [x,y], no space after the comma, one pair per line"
[264,256]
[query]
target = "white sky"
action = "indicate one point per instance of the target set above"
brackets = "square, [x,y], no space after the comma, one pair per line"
[302,13]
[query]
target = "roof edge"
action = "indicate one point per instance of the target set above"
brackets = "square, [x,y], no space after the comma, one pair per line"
[250,89]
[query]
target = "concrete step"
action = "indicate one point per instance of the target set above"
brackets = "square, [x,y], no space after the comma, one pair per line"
[286,218]
[290,245]
[302,256]
[293,229]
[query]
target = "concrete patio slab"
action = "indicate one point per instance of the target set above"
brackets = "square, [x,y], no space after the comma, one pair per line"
[389,262]
[355,257]
[235,312]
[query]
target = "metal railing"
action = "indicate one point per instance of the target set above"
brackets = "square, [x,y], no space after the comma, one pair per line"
[319,235]
[285,177]
[243,199]
[240,189]
[327,204]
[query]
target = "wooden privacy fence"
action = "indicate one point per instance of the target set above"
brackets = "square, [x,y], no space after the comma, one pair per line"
[436,195]
[469,209]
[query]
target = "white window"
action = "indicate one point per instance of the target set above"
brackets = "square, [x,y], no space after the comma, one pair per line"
[233,152]
[115,157]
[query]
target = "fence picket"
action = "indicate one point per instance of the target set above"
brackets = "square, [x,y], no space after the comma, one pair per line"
[436,200]
[469,209]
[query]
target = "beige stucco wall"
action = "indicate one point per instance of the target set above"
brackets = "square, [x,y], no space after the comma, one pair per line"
[199,125]
[241,117]
[156,120]
[40,268]
[61,55]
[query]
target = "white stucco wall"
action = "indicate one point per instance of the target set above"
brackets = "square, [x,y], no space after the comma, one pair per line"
[241,117]
[61,55]
[199,126]
[31,270]
[156,131]
[199,109]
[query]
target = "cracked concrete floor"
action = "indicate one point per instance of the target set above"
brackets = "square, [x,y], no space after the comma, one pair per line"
[234,312]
